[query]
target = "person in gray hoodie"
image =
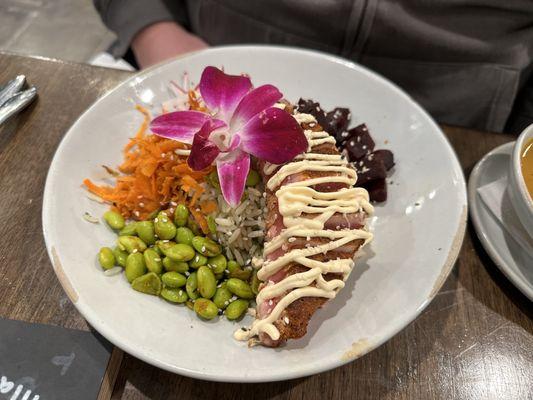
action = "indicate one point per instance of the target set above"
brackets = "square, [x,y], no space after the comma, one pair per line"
[468,62]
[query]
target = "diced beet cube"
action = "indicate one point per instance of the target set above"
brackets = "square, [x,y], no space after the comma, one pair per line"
[313,108]
[338,120]
[386,156]
[377,190]
[360,134]
[368,169]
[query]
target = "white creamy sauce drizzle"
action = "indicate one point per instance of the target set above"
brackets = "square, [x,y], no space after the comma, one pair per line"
[299,197]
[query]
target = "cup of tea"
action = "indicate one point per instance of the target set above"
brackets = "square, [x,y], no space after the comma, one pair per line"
[521,179]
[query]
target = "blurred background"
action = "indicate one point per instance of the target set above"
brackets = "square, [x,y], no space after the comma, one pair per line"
[64,29]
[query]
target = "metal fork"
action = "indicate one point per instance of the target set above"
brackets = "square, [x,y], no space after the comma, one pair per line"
[13,99]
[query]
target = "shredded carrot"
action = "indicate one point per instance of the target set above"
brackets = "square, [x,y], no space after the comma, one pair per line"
[154,177]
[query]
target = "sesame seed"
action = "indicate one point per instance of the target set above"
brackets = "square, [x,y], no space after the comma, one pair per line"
[134,251]
[286,320]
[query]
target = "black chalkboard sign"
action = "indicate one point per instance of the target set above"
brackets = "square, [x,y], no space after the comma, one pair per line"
[43,362]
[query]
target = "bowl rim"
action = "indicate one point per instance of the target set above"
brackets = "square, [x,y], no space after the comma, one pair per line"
[520,182]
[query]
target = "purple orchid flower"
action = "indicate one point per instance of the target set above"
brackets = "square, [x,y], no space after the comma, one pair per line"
[241,122]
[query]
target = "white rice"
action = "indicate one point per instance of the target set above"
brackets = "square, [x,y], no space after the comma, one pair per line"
[240,230]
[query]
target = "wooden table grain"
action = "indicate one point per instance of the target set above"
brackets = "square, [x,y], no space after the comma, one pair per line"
[474,341]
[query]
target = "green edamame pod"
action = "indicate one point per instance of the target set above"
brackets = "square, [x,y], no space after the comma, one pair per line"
[190,304]
[222,297]
[207,284]
[148,283]
[173,279]
[236,309]
[206,246]
[129,230]
[184,235]
[180,252]
[193,226]
[255,283]
[120,256]
[205,308]
[191,286]
[217,263]
[213,179]
[114,220]
[197,261]
[240,288]
[106,258]
[181,215]
[132,244]
[153,261]
[164,245]
[211,224]
[146,232]
[178,266]
[135,266]
[236,271]
[164,227]
[174,295]
[253,178]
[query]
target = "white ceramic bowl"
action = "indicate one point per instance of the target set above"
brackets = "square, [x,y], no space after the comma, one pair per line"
[520,198]
[418,231]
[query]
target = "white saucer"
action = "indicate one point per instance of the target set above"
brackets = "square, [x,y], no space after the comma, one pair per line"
[512,260]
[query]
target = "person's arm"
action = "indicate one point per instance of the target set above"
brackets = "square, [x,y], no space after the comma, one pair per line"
[155,26]
[163,40]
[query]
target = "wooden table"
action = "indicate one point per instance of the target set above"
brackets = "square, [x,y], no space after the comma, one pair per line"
[475,340]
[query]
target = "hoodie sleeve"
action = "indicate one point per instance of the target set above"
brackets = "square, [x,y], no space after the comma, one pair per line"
[127,17]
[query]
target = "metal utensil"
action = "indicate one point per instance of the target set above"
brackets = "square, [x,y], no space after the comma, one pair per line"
[11,88]
[16,103]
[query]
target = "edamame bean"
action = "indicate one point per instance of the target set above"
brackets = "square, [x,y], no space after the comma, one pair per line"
[181,215]
[173,279]
[148,283]
[236,271]
[153,261]
[205,308]
[217,263]
[114,220]
[240,288]
[191,286]
[255,283]
[131,244]
[174,295]
[184,235]
[207,284]
[213,179]
[154,213]
[129,230]
[178,266]
[146,231]
[106,258]
[222,297]
[164,228]
[120,256]
[190,304]
[135,266]
[164,245]
[180,252]
[198,261]
[253,178]
[156,249]
[193,226]
[206,246]
[211,225]
[236,309]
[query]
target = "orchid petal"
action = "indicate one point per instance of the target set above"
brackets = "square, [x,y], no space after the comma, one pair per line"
[203,150]
[253,103]
[273,136]
[221,92]
[179,125]
[233,169]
